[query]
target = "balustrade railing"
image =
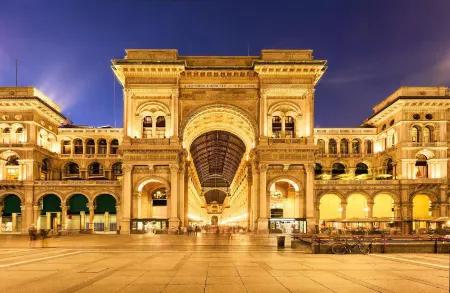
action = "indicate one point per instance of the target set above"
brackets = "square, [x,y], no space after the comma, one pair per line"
[150,141]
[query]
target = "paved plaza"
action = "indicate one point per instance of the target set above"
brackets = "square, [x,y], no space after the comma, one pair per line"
[208,263]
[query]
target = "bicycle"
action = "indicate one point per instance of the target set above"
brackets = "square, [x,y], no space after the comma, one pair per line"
[343,248]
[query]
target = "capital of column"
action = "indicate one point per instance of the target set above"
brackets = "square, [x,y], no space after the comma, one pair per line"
[64,208]
[117,208]
[263,167]
[309,168]
[127,167]
[174,168]
[36,208]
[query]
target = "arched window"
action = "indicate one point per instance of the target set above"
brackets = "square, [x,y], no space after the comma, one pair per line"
[45,166]
[344,146]
[369,147]
[19,130]
[7,130]
[78,146]
[337,169]
[355,146]
[332,146]
[389,167]
[102,145]
[361,168]
[147,121]
[318,169]
[428,134]
[290,126]
[116,171]
[161,121]
[415,134]
[12,168]
[321,144]
[276,126]
[72,170]
[66,147]
[95,170]
[114,147]
[421,168]
[90,146]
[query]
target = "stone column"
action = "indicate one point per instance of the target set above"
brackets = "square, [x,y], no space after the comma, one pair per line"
[91,217]
[167,130]
[269,125]
[263,224]
[14,222]
[154,126]
[185,192]
[283,126]
[311,220]
[139,204]
[118,216]
[174,221]
[27,212]
[126,198]
[343,210]
[397,211]
[297,126]
[255,198]
[36,214]
[64,209]
[174,115]
[1,212]
[106,221]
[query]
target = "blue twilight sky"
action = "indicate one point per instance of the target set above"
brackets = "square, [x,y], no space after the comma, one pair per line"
[372,47]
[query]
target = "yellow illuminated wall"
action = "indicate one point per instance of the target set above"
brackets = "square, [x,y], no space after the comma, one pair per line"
[329,207]
[383,204]
[421,206]
[355,206]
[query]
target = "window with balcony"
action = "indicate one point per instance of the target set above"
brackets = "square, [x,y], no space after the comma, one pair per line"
[321,144]
[102,146]
[344,146]
[116,171]
[276,126]
[66,147]
[290,127]
[332,146]
[369,146]
[12,168]
[95,170]
[338,169]
[114,147]
[90,146]
[415,132]
[355,146]
[421,167]
[72,171]
[78,146]
[361,169]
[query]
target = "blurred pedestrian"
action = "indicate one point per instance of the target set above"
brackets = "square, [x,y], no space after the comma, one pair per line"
[32,235]
[44,237]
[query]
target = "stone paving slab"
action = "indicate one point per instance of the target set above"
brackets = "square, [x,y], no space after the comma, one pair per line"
[177,268]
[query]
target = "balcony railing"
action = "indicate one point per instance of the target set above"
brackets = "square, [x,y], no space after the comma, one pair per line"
[287,140]
[87,156]
[77,182]
[424,144]
[10,182]
[150,141]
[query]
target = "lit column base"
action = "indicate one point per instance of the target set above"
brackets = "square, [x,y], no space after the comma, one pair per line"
[174,223]
[311,225]
[263,226]
[124,226]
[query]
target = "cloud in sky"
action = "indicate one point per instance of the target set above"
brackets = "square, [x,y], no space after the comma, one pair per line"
[438,74]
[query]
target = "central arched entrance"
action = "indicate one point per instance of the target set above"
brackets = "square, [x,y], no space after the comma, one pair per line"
[218,140]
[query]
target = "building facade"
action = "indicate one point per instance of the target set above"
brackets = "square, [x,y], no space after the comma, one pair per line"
[226,141]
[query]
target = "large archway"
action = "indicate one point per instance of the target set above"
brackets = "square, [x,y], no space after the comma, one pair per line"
[10,213]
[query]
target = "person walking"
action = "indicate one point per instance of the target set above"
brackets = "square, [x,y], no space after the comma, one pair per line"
[197,229]
[32,235]
[44,237]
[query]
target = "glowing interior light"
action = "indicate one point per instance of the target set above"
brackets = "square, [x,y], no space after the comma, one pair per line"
[195,218]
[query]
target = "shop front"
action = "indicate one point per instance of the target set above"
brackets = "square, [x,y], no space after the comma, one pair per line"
[144,226]
[280,225]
